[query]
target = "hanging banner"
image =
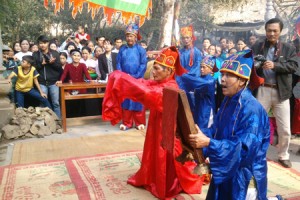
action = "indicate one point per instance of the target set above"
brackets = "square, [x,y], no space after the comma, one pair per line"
[129,9]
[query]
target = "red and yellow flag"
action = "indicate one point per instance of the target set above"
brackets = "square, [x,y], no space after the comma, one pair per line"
[128,8]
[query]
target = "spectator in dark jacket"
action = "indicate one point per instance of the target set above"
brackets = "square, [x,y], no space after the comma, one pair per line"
[49,67]
[281,63]
[107,61]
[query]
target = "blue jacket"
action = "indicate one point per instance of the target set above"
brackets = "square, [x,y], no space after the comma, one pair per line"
[202,98]
[240,137]
[185,59]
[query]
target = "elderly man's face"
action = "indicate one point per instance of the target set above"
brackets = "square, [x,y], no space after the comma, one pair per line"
[160,73]
[130,39]
[273,32]
[231,84]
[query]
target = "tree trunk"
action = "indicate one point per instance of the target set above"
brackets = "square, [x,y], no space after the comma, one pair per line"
[149,37]
[167,23]
[1,45]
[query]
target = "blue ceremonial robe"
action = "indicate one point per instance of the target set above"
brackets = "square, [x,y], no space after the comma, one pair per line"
[240,137]
[203,104]
[133,61]
[185,60]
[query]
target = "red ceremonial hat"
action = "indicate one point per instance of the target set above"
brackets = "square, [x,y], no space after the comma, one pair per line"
[188,31]
[169,57]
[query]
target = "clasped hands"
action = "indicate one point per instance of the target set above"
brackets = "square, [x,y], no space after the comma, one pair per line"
[268,65]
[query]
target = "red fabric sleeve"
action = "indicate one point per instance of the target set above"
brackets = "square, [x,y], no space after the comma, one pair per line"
[65,73]
[121,86]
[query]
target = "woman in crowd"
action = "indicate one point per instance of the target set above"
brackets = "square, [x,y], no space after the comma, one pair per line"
[16,47]
[63,59]
[69,47]
[34,47]
[24,49]
[212,50]
[52,45]
[205,44]
[91,45]
[241,44]
[90,63]
[76,71]
[97,52]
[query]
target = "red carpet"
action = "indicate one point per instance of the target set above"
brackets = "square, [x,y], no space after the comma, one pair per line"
[104,176]
[96,177]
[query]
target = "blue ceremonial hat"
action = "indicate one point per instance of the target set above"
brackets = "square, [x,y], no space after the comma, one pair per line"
[239,64]
[210,61]
[133,29]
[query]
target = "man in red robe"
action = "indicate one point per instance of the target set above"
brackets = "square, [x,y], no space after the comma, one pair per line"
[160,173]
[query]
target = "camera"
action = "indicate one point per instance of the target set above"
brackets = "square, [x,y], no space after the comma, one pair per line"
[47,58]
[259,61]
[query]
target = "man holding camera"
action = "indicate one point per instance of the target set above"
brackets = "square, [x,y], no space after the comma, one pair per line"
[277,70]
[50,70]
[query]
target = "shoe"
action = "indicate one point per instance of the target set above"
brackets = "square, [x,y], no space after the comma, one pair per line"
[140,127]
[123,127]
[285,163]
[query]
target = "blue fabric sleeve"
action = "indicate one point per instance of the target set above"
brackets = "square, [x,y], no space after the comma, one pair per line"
[118,65]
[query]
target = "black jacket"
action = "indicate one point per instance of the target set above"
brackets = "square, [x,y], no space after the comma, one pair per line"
[49,73]
[286,63]
[102,64]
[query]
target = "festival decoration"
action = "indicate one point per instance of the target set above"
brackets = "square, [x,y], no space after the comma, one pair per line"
[297,26]
[129,9]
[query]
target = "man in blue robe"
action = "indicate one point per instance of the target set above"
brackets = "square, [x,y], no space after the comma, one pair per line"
[203,89]
[132,60]
[190,56]
[238,140]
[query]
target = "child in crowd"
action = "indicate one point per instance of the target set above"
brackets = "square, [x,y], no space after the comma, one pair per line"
[82,35]
[27,75]
[76,70]
[10,63]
